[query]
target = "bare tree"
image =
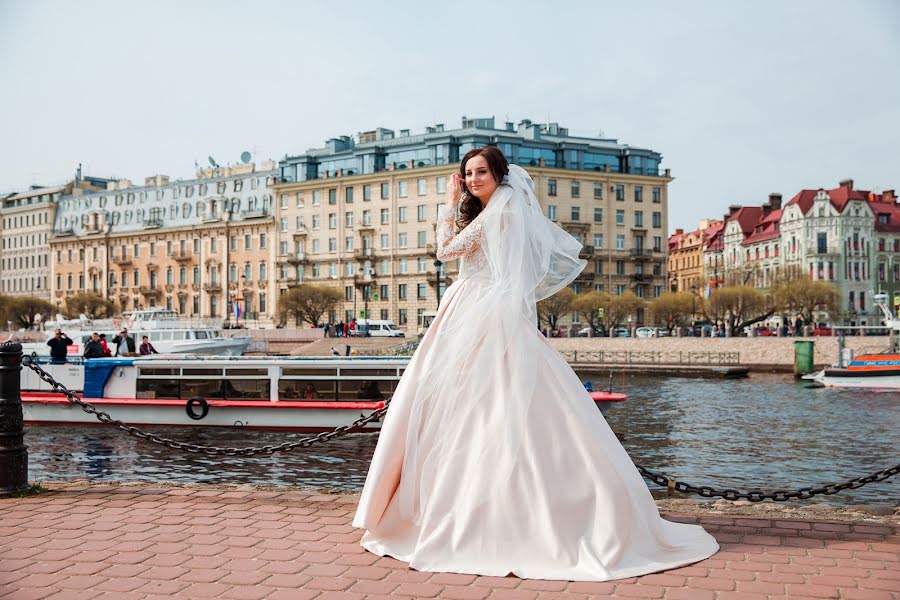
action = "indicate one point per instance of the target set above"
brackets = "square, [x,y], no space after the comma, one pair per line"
[308,302]
[672,309]
[552,308]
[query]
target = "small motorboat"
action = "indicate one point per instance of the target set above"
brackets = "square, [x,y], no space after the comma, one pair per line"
[869,371]
[604,398]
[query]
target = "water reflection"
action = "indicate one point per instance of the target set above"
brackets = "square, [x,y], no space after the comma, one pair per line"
[762,432]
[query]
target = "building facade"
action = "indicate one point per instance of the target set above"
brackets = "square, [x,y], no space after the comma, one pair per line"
[199,247]
[686,257]
[848,237]
[360,214]
[26,223]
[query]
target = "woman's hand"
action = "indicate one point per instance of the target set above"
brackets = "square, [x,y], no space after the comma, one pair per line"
[456,185]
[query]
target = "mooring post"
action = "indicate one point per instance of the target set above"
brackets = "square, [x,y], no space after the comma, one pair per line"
[13,452]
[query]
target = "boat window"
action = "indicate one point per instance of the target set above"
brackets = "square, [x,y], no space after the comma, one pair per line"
[366,389]
[154,336]
[308,372]
[246,389]
[350,372]
[204,388]
[157,388]
[246,372]
[178,335]
[166,336]
[200,335]
[158,371]
[306,389]
[216,372]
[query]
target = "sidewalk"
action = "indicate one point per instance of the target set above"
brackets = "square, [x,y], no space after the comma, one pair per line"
[127,542]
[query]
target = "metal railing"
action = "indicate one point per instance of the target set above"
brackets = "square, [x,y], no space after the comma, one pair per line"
[653,357]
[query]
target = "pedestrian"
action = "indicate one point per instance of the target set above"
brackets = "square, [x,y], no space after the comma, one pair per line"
[346,330]
[93,349]
[326,327]
[103,344]
[59,344]
[340,328]
[353,327]
[124,343]
[146,347]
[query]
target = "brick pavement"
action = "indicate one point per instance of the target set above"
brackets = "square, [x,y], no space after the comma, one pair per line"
[123,543]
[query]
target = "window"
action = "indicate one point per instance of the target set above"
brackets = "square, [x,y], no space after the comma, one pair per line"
[620,267]
[620,192]
[401,214]
[262,239]
[657,219]
[620,216]
[385,241]
[367,193]
[402,239]
[403,189]
[348,219]
[551,212]
[657,243]
[638,218]
[367,217]
[401,267]
[332,244]
[317,197]
[422,241]
[620,242]
[576,189]
[385,191]
[332,220]
[598,215]
[316,221]
[420,213]
[421,187]
[656,195]
[348,243]
[332,196]
[598,190]
[385,216]
[401,317]
[551,187]
[420,291]
[638,193]
[248,242]
[576,213]
[598,240]
[348,194]
[441,185]
[401,291]
[822,242]
[421,264]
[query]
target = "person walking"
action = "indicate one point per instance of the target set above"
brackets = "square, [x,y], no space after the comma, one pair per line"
[59,345]
[493,459]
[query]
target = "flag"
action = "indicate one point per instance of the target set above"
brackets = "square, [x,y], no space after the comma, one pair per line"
[708,290]
[237,311]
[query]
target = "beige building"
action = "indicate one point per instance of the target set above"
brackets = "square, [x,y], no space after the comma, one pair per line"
[377,231]
[687,271]
[197,246]
[27,222]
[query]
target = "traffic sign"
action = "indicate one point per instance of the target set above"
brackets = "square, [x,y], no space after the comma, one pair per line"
[362,314]
[896,300]
[600,312]
[376,297]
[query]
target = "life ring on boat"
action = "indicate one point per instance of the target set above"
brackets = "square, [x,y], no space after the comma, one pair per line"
[189,408]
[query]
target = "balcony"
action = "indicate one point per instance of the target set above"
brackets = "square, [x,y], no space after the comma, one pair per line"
[586,252]
[585,277]
[185,256]
[576,226]
[153,223]
[642,278]
[364,254]
[211,287]
[298,258]
[302,232]
[149,291]
[121,261]
[365,227]
[641,253]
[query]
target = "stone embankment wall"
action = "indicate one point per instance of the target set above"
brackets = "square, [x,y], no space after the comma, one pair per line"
[761,352]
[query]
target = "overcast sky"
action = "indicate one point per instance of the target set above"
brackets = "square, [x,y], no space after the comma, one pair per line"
[742,99]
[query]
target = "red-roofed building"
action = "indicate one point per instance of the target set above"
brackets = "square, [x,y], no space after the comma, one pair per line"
[686,252]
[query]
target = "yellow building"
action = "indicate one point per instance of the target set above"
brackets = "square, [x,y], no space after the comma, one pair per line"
[687,271]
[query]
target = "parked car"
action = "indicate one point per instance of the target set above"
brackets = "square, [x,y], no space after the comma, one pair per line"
[622,332]
[764,332]
[645,332]
[585,332]
[823,330]
[378,328]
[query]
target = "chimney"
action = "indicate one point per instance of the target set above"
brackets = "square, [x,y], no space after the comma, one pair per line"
[733,209]
[775,201]
[847,183]
[889,196]
[679,231]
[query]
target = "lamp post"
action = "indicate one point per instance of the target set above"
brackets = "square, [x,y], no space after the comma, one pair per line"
[693,304]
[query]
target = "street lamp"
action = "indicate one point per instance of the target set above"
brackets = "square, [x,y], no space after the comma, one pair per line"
[694,291]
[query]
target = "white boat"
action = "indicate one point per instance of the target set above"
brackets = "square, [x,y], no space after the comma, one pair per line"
[876,371]
[292,393]
[168,333]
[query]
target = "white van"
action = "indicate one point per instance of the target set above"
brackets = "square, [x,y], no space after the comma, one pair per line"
[377,328]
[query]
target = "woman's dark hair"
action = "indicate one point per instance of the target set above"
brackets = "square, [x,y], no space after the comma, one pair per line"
[470,207]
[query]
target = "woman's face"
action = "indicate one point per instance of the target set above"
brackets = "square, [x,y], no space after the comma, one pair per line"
[479,179]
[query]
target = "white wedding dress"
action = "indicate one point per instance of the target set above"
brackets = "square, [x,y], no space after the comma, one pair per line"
[493,459]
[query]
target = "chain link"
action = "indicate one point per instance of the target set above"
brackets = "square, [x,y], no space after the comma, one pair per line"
[195,448]
[658,478]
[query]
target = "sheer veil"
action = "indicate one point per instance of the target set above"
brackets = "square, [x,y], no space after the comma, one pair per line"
[485,346]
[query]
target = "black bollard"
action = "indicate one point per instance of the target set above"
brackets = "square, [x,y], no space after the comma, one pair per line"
[13,452]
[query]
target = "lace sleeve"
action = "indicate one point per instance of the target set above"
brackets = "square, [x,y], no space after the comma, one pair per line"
[450,246]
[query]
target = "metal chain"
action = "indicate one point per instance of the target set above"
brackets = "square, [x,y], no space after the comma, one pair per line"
[197,449]
[672,485]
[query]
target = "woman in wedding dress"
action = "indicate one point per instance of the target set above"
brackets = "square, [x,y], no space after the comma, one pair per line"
[493,459]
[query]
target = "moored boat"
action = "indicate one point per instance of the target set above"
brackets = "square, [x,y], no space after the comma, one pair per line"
[872,371]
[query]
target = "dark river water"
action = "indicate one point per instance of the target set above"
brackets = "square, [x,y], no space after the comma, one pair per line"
[763,432]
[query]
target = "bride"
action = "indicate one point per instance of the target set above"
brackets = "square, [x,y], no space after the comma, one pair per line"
[493,459]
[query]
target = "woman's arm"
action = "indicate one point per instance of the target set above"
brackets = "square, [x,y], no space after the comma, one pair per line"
[450,246]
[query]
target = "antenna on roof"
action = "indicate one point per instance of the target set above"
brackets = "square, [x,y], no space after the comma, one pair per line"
[212,162]
[245,157]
